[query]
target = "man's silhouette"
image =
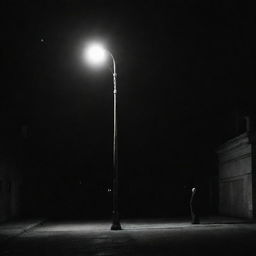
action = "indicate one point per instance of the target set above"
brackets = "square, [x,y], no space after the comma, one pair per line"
[194,206]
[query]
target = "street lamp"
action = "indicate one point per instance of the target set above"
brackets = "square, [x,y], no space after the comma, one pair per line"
[96,55]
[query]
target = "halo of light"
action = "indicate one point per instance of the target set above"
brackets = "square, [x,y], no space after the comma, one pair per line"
[95,54]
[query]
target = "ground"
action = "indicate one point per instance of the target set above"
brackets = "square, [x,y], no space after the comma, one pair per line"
[138,237]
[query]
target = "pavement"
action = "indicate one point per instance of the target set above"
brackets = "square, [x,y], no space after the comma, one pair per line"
[175,237]
[14,228]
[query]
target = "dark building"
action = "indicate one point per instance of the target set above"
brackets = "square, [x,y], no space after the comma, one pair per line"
[237,183]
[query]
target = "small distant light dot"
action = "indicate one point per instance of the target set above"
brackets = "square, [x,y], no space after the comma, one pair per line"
[109,190]
[42,40]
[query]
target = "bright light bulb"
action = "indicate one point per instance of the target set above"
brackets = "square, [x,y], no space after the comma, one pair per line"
[96,54]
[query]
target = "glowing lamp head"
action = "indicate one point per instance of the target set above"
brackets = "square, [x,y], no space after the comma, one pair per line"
[95,54]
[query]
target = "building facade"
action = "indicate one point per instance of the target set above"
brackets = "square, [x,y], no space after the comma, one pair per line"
[237,182]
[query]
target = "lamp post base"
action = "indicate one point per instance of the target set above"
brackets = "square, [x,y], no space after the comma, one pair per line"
[116,223]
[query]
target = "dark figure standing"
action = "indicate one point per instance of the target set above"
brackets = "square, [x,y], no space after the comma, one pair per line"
[194,206]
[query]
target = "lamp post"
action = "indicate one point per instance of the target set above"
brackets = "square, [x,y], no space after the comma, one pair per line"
[96,54]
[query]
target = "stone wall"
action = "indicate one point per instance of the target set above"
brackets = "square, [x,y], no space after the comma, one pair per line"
[236,177]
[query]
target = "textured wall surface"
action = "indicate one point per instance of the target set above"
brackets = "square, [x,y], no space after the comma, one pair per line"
[236,190]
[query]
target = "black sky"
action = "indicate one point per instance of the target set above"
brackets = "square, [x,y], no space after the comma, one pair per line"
[185,78]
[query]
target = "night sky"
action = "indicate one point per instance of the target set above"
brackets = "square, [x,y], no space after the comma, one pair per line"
[186,79]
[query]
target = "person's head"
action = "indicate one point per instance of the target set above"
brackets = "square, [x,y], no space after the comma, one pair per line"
[193,190]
